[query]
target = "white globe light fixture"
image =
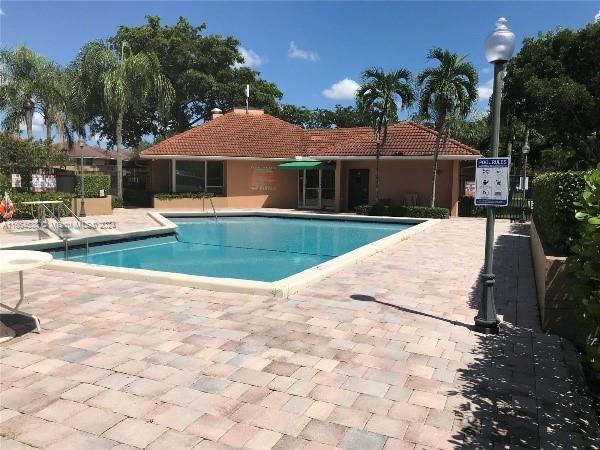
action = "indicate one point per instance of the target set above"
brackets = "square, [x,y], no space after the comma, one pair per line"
[500,44]
[499,47]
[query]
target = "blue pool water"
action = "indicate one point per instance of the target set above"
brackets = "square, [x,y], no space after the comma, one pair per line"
[251,248]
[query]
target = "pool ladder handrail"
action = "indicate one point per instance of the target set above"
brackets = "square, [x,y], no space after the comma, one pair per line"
[212,205]
[45,209]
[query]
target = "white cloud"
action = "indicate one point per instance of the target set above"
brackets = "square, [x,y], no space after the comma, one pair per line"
[251,58]
[486,71]
[597,16]
[485,90]
[342,90]
[1,12]
[297,53]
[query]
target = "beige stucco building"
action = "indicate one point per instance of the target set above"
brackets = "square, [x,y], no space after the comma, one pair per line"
[253,160]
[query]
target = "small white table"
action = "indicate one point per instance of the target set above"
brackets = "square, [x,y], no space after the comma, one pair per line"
[19,261]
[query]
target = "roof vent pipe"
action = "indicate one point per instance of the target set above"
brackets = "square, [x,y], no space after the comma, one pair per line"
[216,112]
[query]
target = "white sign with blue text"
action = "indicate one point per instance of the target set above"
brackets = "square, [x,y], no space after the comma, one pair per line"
[491,181]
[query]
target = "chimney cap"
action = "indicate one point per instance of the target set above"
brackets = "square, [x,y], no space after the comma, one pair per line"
[216,111]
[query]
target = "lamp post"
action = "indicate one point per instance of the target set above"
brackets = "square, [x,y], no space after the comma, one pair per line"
[82,201]
[499,47]
[525,151]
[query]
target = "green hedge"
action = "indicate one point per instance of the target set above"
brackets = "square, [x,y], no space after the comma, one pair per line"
[584,265]
[26,211]
[116,202]
[174,195]
[93,183]
[554,194]
[402,211]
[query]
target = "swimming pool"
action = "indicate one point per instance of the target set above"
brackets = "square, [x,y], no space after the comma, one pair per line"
[254,248]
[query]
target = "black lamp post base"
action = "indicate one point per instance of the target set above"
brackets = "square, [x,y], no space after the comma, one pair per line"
[484,327]
[487,321]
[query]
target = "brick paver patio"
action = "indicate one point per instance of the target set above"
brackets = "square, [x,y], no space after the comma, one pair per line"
[379,355]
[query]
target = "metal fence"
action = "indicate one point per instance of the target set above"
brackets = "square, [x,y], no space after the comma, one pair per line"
[520,204]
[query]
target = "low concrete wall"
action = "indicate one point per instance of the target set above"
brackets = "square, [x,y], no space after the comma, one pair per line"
[558,311]
[94,206]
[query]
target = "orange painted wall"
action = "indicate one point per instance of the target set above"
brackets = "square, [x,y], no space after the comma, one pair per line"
[397,178]
[239,186]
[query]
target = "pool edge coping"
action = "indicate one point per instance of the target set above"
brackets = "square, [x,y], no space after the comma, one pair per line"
[281,288]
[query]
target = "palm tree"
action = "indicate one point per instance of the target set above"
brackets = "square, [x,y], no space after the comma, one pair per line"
[448,91]
[22,73]
[379,95]
[121,81]
[53,99]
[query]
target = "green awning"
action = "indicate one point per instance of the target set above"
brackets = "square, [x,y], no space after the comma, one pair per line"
[306,165]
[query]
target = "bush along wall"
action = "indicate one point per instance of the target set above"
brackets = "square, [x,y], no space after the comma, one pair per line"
[383,209]
[174,195]
[116,202]
[554,194]
[23,212]
[584,265]
[93,183]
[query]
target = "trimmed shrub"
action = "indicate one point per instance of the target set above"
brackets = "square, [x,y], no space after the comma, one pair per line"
[5,184]
[93,183]
[554,195]
[23,212]
[174,195]
[116,202]
[402,211]
[584,265]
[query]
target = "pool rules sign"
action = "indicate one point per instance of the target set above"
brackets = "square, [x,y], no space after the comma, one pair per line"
[491,181]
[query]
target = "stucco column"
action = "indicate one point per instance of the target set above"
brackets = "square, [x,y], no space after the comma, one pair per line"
[173,177]
[338,186]
[455,188]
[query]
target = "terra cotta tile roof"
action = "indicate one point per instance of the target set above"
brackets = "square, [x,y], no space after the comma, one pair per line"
[264,136]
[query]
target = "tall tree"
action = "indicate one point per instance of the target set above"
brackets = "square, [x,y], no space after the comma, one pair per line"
[23,74]
[124,81]
[338,117]
[53,96]
[206,71]
[448,91]
[381,94]
[553,86]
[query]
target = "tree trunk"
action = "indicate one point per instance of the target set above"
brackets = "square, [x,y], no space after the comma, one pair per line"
[380,148]
[28,108]
[49,131]
[377,156]
[119,133]
[436,151]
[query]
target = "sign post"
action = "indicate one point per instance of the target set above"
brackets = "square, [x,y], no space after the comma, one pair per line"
[492,181]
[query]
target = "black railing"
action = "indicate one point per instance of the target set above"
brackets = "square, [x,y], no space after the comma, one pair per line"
[520,204]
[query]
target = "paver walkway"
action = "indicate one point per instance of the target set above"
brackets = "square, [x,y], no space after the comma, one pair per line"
[124,219]
[379,355]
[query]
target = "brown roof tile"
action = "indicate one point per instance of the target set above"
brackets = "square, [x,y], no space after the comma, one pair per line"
[263,136]
[235,135]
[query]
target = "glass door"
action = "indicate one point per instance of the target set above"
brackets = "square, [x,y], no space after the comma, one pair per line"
[316,189]
[312,189]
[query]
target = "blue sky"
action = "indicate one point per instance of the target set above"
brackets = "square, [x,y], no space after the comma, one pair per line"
[314,51]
